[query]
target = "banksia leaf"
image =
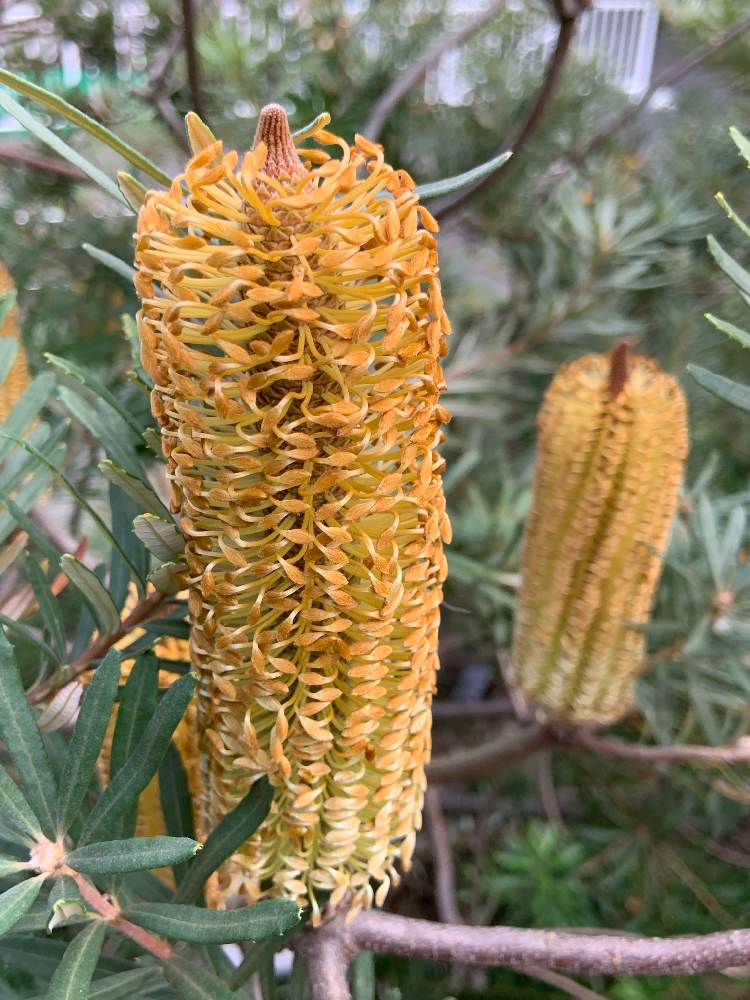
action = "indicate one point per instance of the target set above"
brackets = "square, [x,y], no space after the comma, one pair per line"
[612,446]
[292,322]
[17,379]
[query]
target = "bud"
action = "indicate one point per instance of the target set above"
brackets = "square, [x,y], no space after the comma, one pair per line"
[292,322]
[17,378]
[612,447]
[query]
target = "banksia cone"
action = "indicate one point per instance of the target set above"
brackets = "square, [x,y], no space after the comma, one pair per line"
[18,377]
[612,446]
[292,323]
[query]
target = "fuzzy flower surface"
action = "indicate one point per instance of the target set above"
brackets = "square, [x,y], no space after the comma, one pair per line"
[17,379]
[292,322]
[612,448]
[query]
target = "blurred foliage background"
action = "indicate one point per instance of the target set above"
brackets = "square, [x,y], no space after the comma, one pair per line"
[570,251]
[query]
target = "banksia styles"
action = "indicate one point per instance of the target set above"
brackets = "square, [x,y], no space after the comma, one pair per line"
[612,446]
[292,322]
[17,378]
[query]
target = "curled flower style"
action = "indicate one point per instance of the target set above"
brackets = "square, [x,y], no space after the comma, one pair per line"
[292,322]
[17,378]
[612,447]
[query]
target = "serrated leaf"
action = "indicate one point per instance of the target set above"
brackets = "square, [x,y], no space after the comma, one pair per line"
[174,795]
[140,768]
[231,833]
[193,982]
[162,538]
[73,976]
[88,738]
[143,495]
[16,901]
[201,926]
[116,857]
[94,592]
[731,392]
[105,427]
[96,386]
[20,733]
[461,181]
[61,710]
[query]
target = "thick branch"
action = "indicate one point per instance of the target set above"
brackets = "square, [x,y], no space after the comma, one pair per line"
[568,14]
[326,955]
[490,757]
[611,747]
[515,947]
[419,68]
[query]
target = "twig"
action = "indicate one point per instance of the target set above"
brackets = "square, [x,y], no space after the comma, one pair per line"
[611,747]
[171,118]
[146,608]
[671,75]
[568,14]
[564,983]
[490,757]
[419,68]
[515,947]
[24,157]
[445,872]
[547,792]
[191,54]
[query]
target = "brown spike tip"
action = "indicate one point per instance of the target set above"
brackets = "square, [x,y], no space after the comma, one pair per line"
[273,130]
[619,365]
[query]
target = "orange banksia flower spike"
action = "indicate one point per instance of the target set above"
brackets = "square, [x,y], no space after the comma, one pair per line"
[612,448]
[293,323]
[17,378]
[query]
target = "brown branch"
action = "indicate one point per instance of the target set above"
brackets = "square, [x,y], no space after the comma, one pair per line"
[445,872]
[326,955]
[602,953]
[146,608]
[611,747]
[669,76]
[563,983]
[488,758]
[419,68]
[20,154]
[568,14]
[191,54]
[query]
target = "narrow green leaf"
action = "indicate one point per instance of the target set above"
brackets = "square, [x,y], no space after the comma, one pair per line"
[49,607]
[16,901]
[122,511]
[88,738]
[106,427]
[30,636]
[96,386]
[255,958]
[201,926]
[176,807]
[162,538]
[27,407]
[43,955]
[126,985]
[731,392]
[7,301]
[24,499]
[741,142]
[193,982]
[94,592]
[138,702]
[109,260]
[132,190]
[733,270]
[17,820]
[26,524]
[116,857]
[8,352]
[20,733]
[10,866]
[48,137]
[73,976]
[76,117]
[143,495]
[140,768]
[735,332]
[231,833]
[460,181]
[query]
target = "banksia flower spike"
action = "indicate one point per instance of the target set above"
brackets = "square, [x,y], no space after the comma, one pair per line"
[612,446]
[17,378]
[292,322]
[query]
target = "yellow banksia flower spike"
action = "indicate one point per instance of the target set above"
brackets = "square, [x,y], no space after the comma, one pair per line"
[292,322]
[17,378]
[612,447]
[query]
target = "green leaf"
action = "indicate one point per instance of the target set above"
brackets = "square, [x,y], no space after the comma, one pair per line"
[10,866]
[740,142]
[27,407]
[143,495]
[193,982]
[201,926]
[126,985]
[460,181]
[7,301]
[48,137]
[106,427]
[24,499]
[96,386]
[17,820]
[162,538]
[231,833]
[176,808]
[94,592]
[116,857]
[73,976]
[16,901]
[741,336]
[138,703]
[49,607]
[88,738]
[20,733]
[8,352]
[43,955]
[140,768]
[733,270]
[731,392]
[256,957]
[20,629]
[109,260]
[362,973]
